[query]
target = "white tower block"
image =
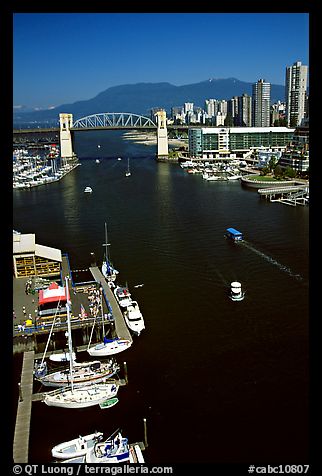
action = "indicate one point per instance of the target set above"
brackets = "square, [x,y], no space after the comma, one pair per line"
[66,146]
[162,136]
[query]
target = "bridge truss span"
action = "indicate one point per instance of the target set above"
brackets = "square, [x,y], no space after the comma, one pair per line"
[114,120]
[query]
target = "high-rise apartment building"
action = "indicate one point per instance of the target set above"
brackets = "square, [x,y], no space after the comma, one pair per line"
[261,104]
[244,118]
[295,93]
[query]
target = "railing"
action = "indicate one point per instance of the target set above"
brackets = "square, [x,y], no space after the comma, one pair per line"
[113,120]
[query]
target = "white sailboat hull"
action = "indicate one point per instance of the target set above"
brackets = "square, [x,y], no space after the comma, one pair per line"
[76,447]
[109,348]
[83,397]
[84,373]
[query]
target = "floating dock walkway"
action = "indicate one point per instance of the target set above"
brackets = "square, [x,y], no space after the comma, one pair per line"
[22,428]
[291,195]
[121,328]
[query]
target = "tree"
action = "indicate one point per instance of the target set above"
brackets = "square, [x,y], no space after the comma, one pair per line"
[278,172]
[229,122]
[290,172]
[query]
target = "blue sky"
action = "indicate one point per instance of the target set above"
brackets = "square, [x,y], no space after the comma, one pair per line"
[61,58]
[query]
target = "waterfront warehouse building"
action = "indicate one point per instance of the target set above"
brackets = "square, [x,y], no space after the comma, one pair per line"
[31,259]
[221,142]
[295,92]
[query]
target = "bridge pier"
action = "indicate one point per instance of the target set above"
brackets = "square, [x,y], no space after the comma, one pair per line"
[162,136]
[66,143]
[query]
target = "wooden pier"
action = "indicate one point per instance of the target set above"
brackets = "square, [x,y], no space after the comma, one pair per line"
[289,195]
[121,328]
[22,428]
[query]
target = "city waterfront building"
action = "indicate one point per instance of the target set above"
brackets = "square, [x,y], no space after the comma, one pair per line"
[31,259]
[211,107]
[261,95]
[295,93]
[244,111]
[222,141]
[297,153]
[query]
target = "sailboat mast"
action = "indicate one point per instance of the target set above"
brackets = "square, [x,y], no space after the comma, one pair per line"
[102,314]
[69,330]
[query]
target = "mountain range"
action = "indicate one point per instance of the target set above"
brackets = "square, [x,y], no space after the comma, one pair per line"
[140,98]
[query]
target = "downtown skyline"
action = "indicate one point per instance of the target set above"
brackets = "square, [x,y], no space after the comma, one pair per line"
[68,57]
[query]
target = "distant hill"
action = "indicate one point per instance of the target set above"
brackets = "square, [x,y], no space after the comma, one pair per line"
[140,98]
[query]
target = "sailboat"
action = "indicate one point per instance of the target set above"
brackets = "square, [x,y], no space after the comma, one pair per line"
[108,346]
[83,396]
[84,372]
[128,172]
[108,271]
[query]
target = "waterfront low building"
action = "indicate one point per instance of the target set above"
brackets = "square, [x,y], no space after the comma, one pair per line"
[31,259]
[297,154]
[221,142]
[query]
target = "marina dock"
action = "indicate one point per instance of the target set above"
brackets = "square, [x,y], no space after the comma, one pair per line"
[22,428]
[289,195]
[121,328]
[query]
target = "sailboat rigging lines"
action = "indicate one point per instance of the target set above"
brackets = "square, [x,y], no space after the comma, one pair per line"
[82,396]
[108,270]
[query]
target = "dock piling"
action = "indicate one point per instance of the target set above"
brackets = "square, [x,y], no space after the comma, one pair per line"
[125,373]
[145,433]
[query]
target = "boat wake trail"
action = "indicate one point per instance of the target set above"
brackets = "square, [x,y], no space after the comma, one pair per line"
[271,260]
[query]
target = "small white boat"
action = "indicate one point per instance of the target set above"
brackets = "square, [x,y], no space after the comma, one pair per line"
[88,190]
[234,177]
[119,158]
[133,318]
[61,357]
[109,347]
[236,293]
[123,296]
[76,447]
[128,172]
[113,450]
[97,161]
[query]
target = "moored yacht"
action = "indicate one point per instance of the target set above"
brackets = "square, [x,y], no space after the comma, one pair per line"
[123,296]
[133,318]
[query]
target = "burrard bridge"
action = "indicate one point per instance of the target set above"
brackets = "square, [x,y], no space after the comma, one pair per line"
[107,121]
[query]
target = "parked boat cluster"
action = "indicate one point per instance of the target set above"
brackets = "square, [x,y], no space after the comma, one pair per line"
[217,170]
[34,170]
[89,383]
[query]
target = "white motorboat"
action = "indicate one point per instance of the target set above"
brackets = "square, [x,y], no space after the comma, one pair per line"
[88,190]
[76,447]
[128,172]
[83,373]
[133,318]
[234,177]
[123,296]
[113,450]
[109,347]
[236,293]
